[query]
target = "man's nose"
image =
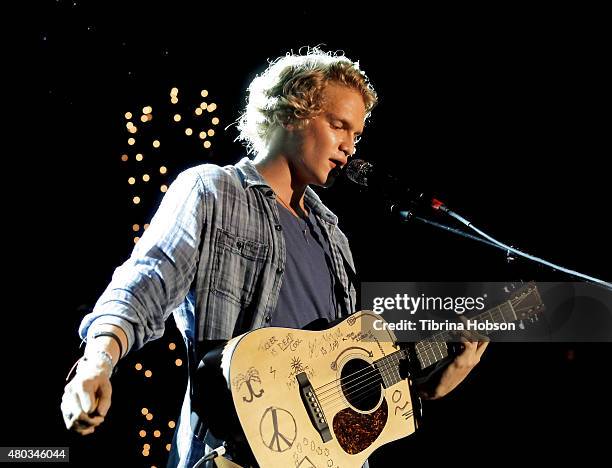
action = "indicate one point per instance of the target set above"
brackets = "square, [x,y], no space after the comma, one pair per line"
[347,147]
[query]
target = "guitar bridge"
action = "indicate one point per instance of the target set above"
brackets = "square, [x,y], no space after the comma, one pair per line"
[313,407]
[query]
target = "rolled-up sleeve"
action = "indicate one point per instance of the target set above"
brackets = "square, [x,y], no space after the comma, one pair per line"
[157,276]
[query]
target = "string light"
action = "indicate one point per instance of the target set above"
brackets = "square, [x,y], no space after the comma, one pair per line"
[167,117]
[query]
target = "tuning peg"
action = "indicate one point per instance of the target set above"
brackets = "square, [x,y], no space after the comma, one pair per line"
[521,324]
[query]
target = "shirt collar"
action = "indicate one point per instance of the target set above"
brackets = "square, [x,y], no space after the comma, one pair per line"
[253,179]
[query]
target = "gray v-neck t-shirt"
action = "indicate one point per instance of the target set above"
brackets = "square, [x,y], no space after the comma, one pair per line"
[307,291]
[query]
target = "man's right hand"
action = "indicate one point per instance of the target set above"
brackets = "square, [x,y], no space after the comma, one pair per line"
[87,397]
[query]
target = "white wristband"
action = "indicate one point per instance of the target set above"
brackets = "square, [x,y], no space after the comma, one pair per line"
[96,359]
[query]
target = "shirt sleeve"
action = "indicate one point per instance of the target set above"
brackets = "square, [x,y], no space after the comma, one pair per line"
[157,276]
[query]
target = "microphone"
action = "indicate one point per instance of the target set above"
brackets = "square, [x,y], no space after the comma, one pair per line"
[390,187]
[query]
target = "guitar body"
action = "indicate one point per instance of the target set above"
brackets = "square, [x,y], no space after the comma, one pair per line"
[318,398]
[304,399]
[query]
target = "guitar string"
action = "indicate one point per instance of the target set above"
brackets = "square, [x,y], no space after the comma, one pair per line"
[372,384]
[352,374]
[373,377]
[364,387]
[360,396]
[425,346]
[369,371]
[356,374]
[373,373]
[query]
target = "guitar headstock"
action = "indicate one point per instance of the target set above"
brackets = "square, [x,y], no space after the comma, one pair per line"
[527,302]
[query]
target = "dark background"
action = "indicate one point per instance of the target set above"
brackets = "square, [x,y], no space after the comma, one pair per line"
[504,114]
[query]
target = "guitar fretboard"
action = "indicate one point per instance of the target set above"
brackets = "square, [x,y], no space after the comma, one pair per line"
[388,367]
[435,348]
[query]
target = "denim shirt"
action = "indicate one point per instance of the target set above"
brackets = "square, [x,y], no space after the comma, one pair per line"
[214,254]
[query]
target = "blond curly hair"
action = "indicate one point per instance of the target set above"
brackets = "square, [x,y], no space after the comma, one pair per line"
[290,91]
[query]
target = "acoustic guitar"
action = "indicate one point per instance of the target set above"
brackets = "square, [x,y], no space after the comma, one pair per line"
[329,398]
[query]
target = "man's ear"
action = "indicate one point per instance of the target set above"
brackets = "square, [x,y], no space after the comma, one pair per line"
[295,124]
[289,125]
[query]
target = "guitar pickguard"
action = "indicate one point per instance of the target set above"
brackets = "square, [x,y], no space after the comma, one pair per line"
[357,431]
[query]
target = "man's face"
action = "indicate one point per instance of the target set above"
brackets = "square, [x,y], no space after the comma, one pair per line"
[324,144]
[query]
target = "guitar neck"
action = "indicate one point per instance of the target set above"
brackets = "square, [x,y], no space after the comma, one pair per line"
[389,368]
[435,348]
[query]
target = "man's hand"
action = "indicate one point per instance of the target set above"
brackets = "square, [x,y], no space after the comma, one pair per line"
[474,346]
[87,397]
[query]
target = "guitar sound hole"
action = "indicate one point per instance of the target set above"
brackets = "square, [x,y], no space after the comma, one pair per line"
[361,384]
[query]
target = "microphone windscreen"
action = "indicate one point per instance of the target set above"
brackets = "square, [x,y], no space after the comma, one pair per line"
[358,170]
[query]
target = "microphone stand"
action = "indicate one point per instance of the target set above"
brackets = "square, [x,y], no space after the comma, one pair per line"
[363,173]
[408,214]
